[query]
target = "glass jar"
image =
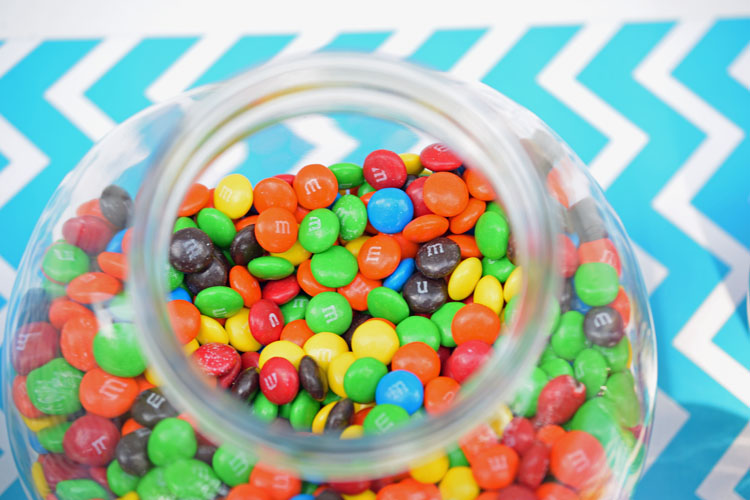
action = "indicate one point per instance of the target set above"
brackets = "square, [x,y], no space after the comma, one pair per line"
[274,120]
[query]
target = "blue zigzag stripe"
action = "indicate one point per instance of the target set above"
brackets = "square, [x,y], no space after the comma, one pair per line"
[51,132]
[444,48]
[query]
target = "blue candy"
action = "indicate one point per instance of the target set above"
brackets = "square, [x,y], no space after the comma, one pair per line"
[179,293]
[402,273]
[400,388]
[115,244]
[303,496]
[35,444]
[390,210]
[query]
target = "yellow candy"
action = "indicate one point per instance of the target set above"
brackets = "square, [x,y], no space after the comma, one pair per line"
[513,284]
[431,469]
[489,292]
[282,349]
[324,346]
[630,352]
[238,331]
[319,422]
[191,347]
[151,377]
[37,424]
[234,195]
[211,331]
[464,279]
[354,245]
[296,254]
[365,495]
[362,406]
[353,432]
[375,339]
[412,162]
[500,419]
[336,371]
[131,495]
[40,482]
[459,484]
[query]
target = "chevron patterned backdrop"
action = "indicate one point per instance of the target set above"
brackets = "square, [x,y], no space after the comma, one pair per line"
[660,111]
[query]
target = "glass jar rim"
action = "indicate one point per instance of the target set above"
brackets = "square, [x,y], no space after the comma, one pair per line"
[326,83]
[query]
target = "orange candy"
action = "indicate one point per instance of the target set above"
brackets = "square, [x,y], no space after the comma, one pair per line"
[495,467]
[300,213]
[106,395]
[439,394]
[554,491]
[468,218]
[244,283]
[274,192]
[126,240]
[379,256]
[621,304]
[185,319]
[197,197]
[393,491]
[356,291]
[479,187]
[307,281]
[21,399]
[467,245]
[245,221]
[316,186]
[425,228]
[419,359]
[549,434]
[113,263]
[296,332]
[90,207]
[578,460]
[476,442]
[77,341]
[276,229]
[409,249]
[248,492]
[129,426]
[92,287]
[414,490]
[445,194]
[475,322]
[62,309]
[280,484]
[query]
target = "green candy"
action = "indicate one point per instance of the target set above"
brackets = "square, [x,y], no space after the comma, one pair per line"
[328,312]
[174,277]
[270,267]
[303,411]
[443,318]
[285,410]
[319,230]
[348,175]
[191,478]
[509,312]
[556,367]
[491,233]
[228,256]
[597,416]
[330,398]
[265,410]
[364,189]
[547,354]
[335,267]
[183,223]
[120,307]
[309,488]
[119,481]
[53,289]
[232,464]
[217,225]
[524,403]
[569,339]
[596,283]
[494,207]
[352,215]
[499,268]
[53,387]
[295,308]
[418,329]
[52,437]
[80,489]
[617,356]
[383,418]
[63,262]
[219,302]
[171,439]
[384,302]
[456,458]
[361,379]
[153,486]
[117,352]
[620,390]
[591,370]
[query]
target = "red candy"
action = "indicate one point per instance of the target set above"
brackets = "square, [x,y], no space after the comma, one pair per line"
[516,492]
[33,345]
[384,169]
[534,465]
[216,359]
[281,291]
[351,487]
[467,358]
[519,434]
[266,321]
[438,158]
[250,359]
[279,381]
[559,400]
[57,467]
[91,440]
[568,256]
[415,191]
[88,232]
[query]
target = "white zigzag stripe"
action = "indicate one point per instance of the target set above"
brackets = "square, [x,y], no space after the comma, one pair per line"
[483,55]
[404,42]
[654,272]
[668,420]
[67,93]
[728,471]
[740,68]
[695,340]
[625,140]
[13,51]
[26,161]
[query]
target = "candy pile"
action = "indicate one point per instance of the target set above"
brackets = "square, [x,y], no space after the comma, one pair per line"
[344,300]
